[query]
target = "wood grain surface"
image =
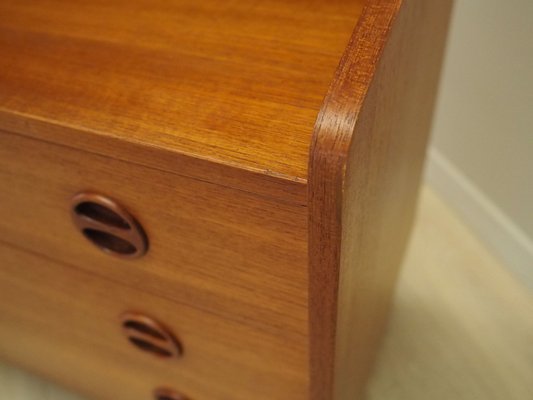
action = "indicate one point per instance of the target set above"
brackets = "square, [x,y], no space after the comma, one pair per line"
[198,118]
[235,257]
[234,82]
[364,171]
[64,323]
[460,325]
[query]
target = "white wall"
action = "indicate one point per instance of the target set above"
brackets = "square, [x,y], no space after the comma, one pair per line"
[481,158]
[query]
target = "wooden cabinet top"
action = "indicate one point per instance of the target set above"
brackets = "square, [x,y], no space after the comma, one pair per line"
[297,126]
[238,83]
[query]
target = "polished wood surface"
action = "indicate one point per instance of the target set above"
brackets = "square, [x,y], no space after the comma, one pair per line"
[460,325]
[234,256]
[197,117]
[364,171]
[234,82]
[65,323]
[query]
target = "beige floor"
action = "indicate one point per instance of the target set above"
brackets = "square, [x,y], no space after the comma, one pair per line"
[461,328]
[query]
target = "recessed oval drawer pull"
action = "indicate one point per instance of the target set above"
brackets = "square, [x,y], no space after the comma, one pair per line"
[108,225]
[167,394]
[149,335]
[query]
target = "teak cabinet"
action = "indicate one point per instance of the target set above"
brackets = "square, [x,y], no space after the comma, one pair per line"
[209,200]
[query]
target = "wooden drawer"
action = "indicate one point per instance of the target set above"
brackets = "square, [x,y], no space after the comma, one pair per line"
[229,255]
[271,154]
[70,317]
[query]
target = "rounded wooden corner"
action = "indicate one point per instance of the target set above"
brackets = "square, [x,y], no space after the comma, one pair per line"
[377,77]
[329,151]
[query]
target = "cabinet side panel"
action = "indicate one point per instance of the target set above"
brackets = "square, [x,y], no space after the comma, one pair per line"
[382,179]
[366,164]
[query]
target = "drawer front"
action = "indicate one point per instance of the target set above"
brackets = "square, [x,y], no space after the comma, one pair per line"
[65,323]
[218,251]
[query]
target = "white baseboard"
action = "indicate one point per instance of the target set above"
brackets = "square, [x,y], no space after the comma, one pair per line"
[498,232]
